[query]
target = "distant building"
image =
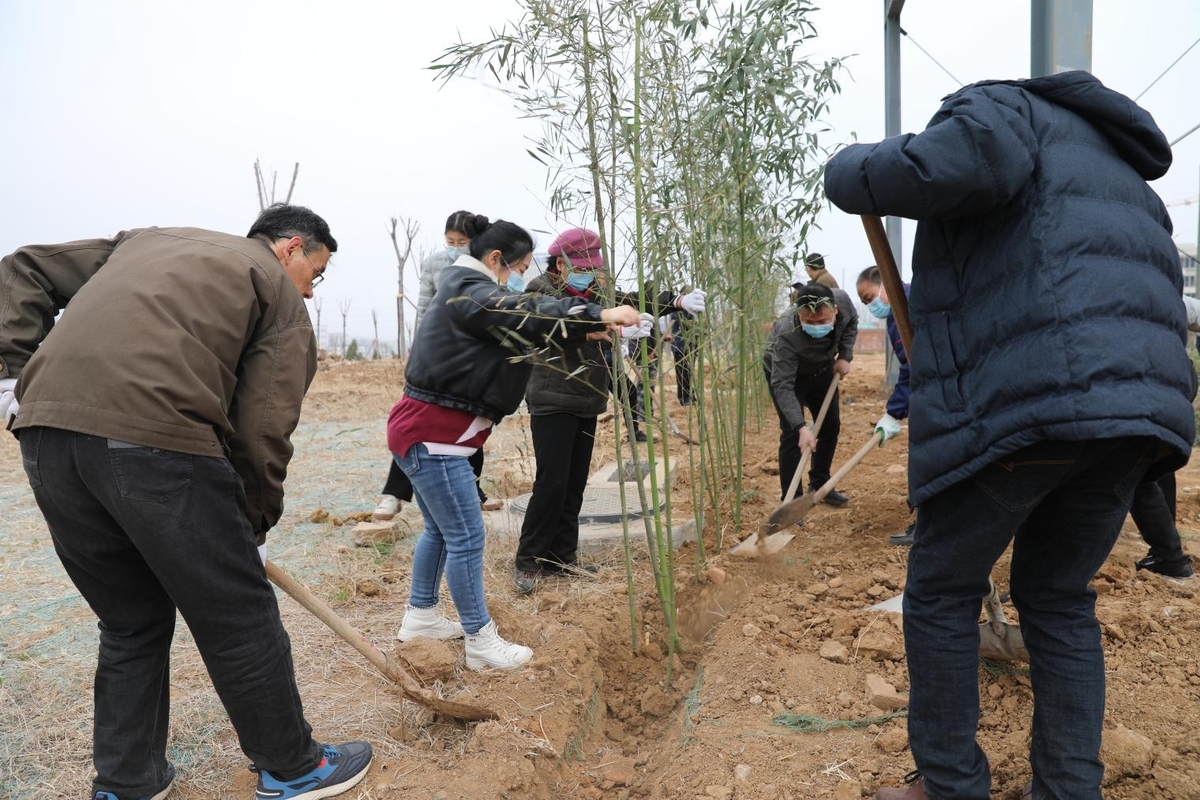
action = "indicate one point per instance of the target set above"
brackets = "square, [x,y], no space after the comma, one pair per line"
[1188,259]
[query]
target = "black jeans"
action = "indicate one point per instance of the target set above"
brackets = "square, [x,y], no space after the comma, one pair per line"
[810,391]
[398,485]
[562,446]
[1153,512]
[685,355]
[1061,504]
[143,532]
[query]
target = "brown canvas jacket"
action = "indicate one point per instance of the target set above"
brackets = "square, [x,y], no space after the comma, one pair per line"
[175,338]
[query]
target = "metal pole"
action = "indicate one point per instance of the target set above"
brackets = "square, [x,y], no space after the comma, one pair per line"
[891,110]
[1060,33]
[891,127]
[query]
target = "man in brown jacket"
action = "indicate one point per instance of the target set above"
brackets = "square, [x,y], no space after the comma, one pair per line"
[154,419]
[814,265]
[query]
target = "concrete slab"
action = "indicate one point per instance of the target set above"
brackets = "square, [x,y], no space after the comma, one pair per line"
[600,519]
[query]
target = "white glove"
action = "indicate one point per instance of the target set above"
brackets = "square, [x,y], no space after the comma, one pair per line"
[642,330]
[9,406]
[262,553]
[890,427]
[693,301]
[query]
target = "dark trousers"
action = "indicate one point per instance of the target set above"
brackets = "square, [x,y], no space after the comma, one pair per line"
[634,391]
[810,391]
[684,356]
[562,446]
[143,532]
[398,485]
[1061,504]
[1153,512]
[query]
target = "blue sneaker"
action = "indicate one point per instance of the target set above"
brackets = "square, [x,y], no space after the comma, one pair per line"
[161,794]
[342,767]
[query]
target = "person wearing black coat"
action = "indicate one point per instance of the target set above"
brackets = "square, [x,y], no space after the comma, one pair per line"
[1049,377]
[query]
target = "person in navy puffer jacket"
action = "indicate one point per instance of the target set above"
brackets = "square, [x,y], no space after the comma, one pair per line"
[1049,376]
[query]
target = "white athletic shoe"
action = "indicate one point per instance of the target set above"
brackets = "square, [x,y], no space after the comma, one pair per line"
[427,623]
[388,508]
[486,650]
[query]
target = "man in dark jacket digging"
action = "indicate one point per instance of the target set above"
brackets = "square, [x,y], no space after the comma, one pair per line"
[1049,376]
[155,419]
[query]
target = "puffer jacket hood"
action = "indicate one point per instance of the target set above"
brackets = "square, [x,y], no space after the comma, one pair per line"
[1130,128]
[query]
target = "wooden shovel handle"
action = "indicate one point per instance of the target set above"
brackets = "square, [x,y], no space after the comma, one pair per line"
[875,440]
[795,484]
[388,668]
[886,262]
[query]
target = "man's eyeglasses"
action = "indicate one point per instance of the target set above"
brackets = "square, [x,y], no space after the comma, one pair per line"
[318,275]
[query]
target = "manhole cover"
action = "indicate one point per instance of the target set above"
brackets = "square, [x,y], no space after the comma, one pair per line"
[601,504]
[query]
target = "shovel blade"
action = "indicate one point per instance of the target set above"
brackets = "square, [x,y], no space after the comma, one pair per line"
[1007,644]
[790,513]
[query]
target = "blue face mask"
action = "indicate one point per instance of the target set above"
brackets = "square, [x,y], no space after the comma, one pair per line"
[515,283]
[455,253]
[580,281]
[878,308]
[817,331]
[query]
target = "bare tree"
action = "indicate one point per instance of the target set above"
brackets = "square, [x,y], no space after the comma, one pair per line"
[344,307]
[375,344]
[317,306]
[411,227]
[266,198]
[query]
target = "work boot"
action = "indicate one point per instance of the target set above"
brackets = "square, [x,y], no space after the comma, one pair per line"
[903,539]
[387,509]
[341,768]
[914,791]
[1171,568]
[487,650]
[524,580]
[161,794]
[836,499]
[427,623]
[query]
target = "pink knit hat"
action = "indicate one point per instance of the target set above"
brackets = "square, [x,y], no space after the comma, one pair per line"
[579,246]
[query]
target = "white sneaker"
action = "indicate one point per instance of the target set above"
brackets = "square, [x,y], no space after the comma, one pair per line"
[387,509]
[429,624]
[486,650]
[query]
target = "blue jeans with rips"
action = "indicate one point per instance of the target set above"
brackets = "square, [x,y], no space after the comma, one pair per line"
[452,543]
[1062,504]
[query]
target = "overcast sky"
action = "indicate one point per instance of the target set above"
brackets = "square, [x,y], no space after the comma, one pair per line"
[124,114]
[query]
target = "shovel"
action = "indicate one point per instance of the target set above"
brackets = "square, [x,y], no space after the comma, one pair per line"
[997,638]
[409,687]
[767,540]
[796,510]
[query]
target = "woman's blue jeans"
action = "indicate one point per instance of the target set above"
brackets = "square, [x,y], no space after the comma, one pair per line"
[452,543]
[1061,504]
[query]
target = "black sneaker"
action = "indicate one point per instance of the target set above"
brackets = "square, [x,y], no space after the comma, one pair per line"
[836,499]
[639,436]
[1171,568]
[161,794]
[342,767]
[903,539]
[524,580]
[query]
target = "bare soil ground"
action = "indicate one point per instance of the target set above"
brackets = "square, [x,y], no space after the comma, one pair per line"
[593,716]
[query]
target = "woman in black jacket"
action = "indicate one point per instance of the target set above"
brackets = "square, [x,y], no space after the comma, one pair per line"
[465,375]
